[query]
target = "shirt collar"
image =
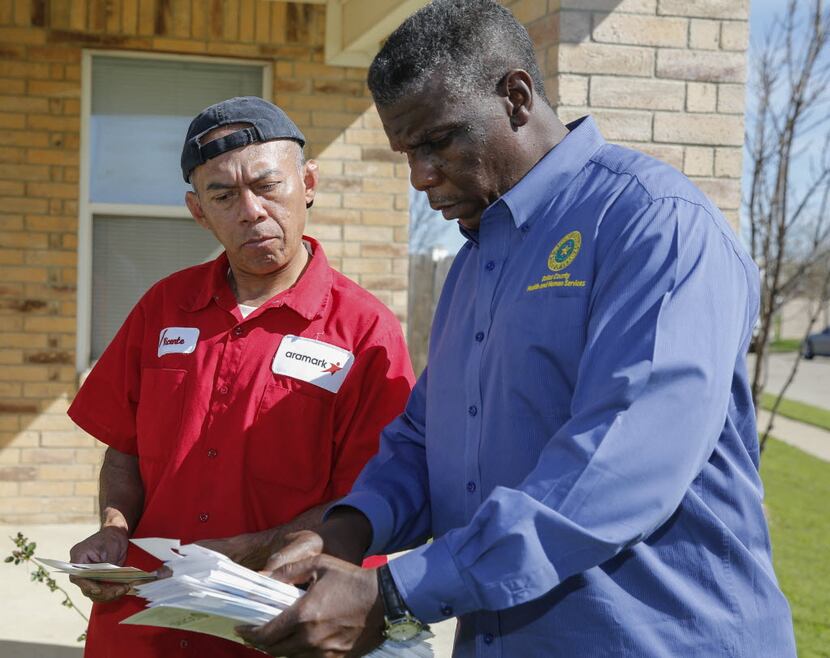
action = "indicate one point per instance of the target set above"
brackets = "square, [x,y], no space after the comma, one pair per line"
[308,297]
[538,188]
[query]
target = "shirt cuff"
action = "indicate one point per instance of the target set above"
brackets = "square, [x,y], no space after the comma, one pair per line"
[430,583]
[377,510]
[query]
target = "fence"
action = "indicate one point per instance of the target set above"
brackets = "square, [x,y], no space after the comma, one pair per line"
[426,278]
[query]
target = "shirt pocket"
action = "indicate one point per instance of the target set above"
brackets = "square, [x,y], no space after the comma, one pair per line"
[290,442]
[159,414]
[546,336]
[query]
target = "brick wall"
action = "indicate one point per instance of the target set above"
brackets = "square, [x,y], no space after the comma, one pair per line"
[48,469]
[662,76]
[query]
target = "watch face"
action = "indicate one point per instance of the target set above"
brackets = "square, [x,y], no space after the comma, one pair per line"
[402,630]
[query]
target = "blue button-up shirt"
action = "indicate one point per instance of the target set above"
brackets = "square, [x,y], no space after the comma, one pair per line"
[582,446]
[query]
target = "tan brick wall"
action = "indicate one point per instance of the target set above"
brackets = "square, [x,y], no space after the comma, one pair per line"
[662,76]
[48,469]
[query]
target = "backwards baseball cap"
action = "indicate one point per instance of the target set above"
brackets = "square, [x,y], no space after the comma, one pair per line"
[268,122]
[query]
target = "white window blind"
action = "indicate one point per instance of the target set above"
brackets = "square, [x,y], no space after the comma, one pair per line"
[131,254]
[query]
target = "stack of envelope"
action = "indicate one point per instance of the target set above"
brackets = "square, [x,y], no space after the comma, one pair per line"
[209,593]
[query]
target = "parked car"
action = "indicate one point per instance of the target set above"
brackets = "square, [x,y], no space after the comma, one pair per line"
[817,344]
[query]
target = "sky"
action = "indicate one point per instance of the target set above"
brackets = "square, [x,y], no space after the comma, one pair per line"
[762,14]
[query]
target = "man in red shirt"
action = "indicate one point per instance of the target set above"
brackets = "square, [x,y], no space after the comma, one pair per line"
[241,396]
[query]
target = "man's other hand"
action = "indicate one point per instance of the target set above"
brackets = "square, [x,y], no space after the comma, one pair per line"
[340,615]
[109,544]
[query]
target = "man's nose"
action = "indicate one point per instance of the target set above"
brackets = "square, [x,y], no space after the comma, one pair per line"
[252,206]
[423,174]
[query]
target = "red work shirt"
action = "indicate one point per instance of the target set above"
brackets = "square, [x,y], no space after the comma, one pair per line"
[239,424]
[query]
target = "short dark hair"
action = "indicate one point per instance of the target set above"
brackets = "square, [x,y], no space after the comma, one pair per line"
[473,43]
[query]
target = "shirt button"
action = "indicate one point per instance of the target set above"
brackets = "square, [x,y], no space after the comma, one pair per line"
[203,517]
[184,644]
[471,486]
[473,410]
[479,336]
[238,331]
[446,610]
[223,389]
[491,265]
[488,638]
[212,453]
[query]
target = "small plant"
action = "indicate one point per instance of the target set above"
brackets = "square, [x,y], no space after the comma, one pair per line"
[23,555]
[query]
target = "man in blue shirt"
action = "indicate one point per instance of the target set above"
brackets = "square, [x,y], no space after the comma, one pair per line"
[582,446]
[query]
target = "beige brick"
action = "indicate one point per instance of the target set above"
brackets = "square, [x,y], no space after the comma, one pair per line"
[704,35]
[705,129]
[602,58]
[640,30]
[616,125]
[50,324]
[574,27]
[367,265]
[369,169]
[725,193]
[90,455]
[368,201]
[48,389]
[384,218]
[570,89]
[396,251]
[734,35]
[341,152]
[18,473]
[384,282]
[642,93]
[9,489]
[326,232]
[705,8]
[31,456]
[368,234]
[20,505]
[86,488]
[366,137]
[380,185]
[21,439]
[728,162]
[71,504]
[526,11]
[622,6]
[46,488]
[65,471]
[9,456]
[699,161]
[701,97]
[731,99]
[701,65]
[66,436]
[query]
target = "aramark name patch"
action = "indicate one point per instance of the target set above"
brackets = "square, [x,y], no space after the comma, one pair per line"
[312,361]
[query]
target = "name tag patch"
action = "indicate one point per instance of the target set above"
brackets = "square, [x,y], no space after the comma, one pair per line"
[177,340]
[312,361]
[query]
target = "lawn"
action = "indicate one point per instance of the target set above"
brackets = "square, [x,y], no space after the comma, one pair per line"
[806,413]
[797,490]
[785,345]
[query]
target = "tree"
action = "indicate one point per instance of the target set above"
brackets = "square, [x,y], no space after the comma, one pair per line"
[788,198]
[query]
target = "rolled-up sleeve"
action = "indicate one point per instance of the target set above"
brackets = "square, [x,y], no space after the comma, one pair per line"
[668,314]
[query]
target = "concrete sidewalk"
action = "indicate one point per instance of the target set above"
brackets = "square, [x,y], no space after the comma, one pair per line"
[809,438]
[35,625]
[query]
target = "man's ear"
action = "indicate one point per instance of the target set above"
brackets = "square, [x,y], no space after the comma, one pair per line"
[194,205]
[516,87]
[311,177]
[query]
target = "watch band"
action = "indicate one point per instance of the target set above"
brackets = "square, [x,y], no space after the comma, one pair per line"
[393,604]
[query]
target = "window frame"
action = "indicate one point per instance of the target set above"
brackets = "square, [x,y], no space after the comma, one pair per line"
[88,209]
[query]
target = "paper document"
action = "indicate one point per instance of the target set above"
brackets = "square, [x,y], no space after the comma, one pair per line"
[209,593]
[98,571]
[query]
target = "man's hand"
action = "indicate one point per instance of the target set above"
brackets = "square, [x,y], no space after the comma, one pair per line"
[109,544]
[251,550]
[340,615]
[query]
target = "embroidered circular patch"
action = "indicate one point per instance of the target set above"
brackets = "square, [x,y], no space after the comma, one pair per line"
[565,251]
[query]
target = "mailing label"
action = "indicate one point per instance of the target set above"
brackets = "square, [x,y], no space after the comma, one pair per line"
[178,340]
[312,361]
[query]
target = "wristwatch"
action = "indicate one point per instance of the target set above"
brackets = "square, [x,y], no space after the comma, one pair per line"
[399,623]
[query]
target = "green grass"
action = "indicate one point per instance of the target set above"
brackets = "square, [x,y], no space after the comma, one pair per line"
[806,413]
[785,345]
[797,490]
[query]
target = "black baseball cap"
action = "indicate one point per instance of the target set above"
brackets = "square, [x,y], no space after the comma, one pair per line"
[268,122]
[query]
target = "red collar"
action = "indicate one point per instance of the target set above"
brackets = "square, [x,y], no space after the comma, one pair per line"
[308,297]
